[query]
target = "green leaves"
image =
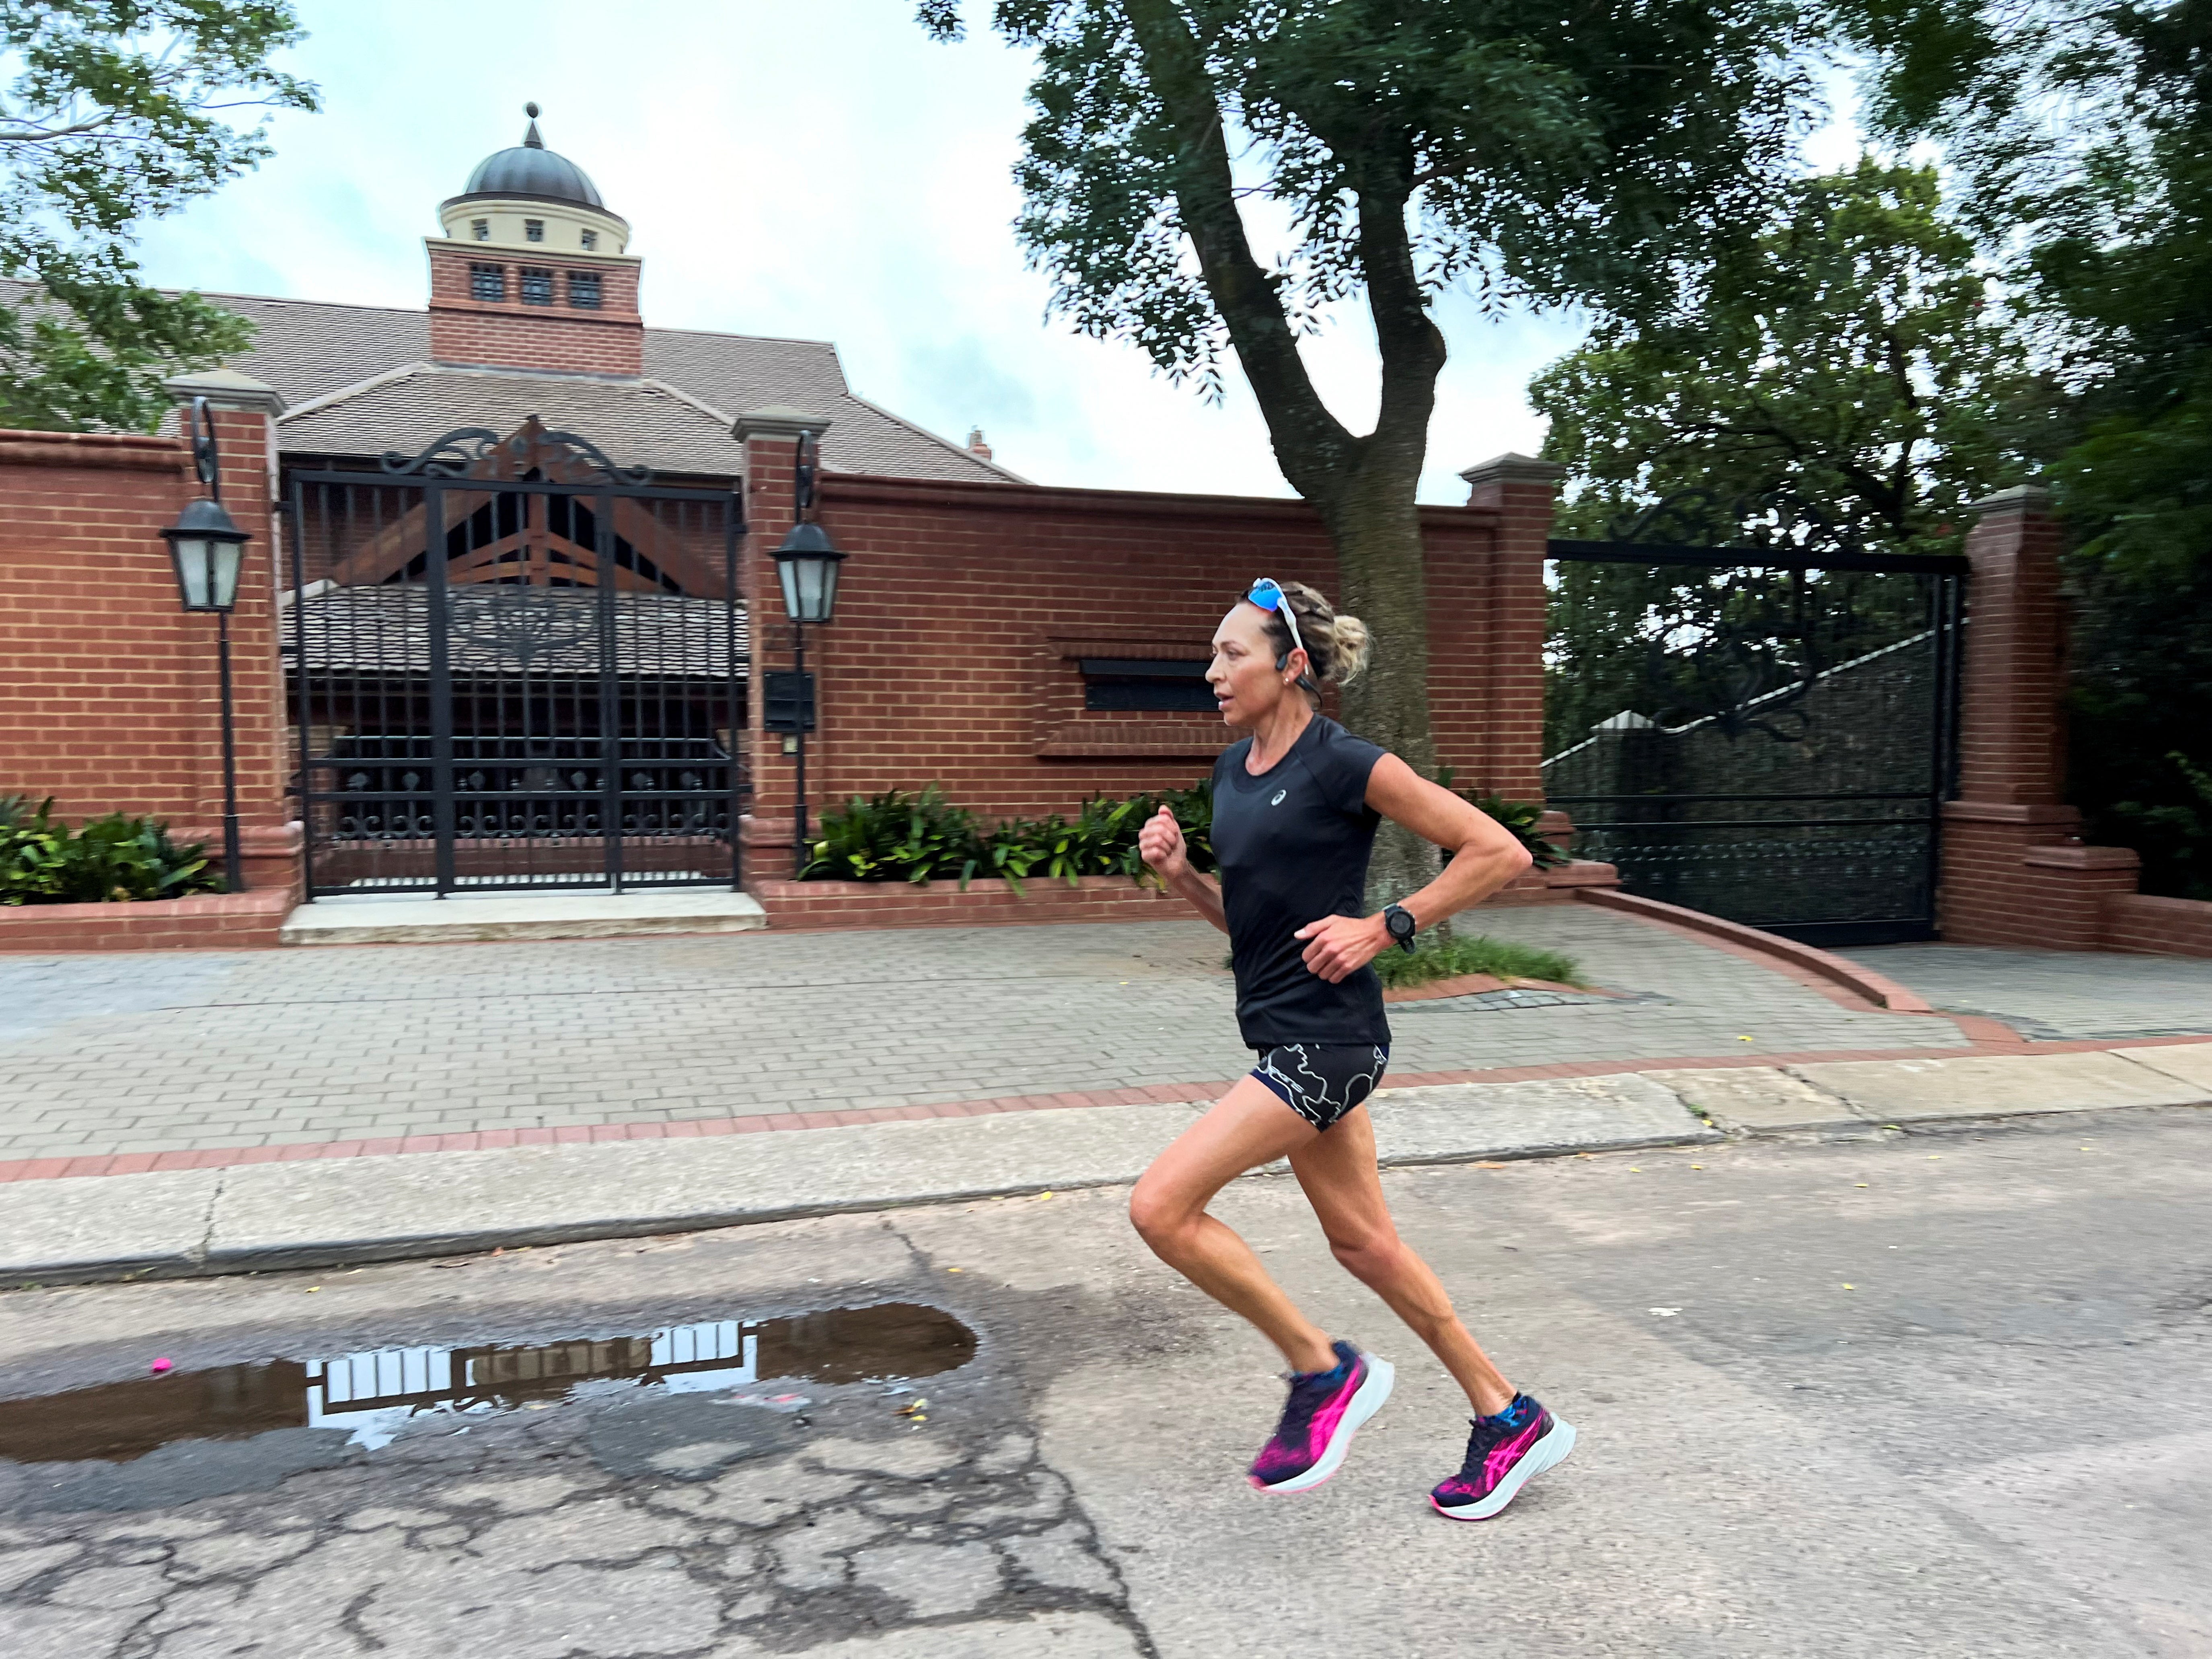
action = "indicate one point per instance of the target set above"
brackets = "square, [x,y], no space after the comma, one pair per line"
[1583,154]
[1448,956]
[120,110]
[920,837]
[1842,381]
[111,859]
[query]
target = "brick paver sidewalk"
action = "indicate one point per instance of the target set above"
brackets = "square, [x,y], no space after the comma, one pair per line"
[2057,994]
[154,1053]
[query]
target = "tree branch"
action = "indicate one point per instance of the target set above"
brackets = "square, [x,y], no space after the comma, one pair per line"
[1312,446]
[1411,346]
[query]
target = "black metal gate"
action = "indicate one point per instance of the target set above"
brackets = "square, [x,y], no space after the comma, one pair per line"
[1762,735]
[515,664]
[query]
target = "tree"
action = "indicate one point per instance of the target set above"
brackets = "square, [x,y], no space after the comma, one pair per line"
[1577,153]
[1842,382]
[2081,130]
[118,113]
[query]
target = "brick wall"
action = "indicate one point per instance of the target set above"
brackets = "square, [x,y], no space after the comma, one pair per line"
[964,608]
[2167,926]
[507,333]
[1496,694]
[111,701]
[2016,870]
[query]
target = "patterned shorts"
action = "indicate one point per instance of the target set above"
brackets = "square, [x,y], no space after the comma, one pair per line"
[1322,1081]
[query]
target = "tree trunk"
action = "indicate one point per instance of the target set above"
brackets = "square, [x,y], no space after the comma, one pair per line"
[1377,529]
[1363,487]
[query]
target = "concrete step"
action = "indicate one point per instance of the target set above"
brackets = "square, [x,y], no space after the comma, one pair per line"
[408,919]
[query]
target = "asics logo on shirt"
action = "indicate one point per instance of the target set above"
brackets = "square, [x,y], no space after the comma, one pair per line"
[1278,798]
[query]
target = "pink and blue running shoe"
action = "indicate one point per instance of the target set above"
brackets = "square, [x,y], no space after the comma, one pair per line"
[1503,1452]
[1324,1409]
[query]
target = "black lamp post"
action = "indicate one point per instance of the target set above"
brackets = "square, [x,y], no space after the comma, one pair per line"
[806,564]
[207,547]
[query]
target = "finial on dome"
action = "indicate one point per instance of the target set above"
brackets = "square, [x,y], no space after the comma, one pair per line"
[530,139]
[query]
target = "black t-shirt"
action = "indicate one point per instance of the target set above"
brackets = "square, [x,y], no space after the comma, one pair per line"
[1293,841]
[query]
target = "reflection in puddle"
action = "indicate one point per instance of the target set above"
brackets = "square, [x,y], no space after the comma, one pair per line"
[373,1394]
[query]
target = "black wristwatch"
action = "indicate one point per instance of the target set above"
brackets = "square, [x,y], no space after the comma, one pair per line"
[1400,921]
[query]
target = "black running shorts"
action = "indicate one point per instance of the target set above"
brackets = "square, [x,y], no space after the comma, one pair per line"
[1323,1081]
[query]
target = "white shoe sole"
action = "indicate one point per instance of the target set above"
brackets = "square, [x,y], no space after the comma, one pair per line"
[1365,1402]
[1548,1452]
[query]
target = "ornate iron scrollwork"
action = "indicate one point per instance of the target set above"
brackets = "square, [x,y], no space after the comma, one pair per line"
[462,453]
[450,457]
[632,476]
[524,623]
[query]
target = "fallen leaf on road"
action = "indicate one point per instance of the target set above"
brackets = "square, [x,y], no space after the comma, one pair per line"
[1664,1313]
[1850,1287]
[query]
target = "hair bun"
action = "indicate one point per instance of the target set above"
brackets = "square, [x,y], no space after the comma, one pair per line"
[1349,640]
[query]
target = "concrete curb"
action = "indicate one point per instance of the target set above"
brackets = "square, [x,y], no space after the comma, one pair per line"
[1879,989]
[260,1217]
[322,1214]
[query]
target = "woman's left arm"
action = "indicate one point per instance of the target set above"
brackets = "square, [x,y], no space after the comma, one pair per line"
[1485,856]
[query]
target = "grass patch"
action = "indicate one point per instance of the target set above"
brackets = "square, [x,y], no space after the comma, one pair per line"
[1475,954]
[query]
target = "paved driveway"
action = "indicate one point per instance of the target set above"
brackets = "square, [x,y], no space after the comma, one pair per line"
[153,1052]
[2054,994]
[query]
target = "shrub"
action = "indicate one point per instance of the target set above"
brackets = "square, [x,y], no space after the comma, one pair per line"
[110,859]
[897,836]
[1445,958]
[1520,817]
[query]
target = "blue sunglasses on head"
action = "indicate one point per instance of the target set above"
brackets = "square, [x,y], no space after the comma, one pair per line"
[1267,593]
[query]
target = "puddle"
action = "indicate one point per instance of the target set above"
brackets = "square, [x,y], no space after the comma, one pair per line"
[374,1394]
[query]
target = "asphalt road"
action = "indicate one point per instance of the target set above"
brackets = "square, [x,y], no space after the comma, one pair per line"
[1942,1395]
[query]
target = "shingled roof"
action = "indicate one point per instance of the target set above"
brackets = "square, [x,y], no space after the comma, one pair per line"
[359,382]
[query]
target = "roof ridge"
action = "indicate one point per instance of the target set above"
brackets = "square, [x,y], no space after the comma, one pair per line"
[678,392]
[733,334]
[313,405]
[925,432]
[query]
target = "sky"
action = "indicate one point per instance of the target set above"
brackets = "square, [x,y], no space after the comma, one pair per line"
[822,171]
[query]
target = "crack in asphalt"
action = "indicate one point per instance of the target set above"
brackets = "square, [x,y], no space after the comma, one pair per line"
[517,1536]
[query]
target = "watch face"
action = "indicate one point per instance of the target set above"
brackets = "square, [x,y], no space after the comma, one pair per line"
[1399,922]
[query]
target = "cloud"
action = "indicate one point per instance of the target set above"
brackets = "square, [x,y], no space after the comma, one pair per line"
[824,172]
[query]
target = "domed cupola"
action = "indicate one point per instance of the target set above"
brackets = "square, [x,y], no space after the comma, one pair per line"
[532,197]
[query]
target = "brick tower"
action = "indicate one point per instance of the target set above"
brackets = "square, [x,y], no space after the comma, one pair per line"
[532,271]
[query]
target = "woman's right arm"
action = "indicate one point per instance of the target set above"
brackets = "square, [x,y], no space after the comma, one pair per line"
[1161,845]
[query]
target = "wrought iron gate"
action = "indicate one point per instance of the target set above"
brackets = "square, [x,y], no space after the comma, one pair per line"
[1764,736]
[513,664]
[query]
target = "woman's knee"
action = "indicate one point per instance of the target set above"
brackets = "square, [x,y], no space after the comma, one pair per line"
[1367,1255]
[1158,1216]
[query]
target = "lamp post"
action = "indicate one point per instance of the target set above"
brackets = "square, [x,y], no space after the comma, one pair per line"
[806,565]
[207,547]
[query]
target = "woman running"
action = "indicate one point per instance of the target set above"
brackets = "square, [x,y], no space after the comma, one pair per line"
[1296,805]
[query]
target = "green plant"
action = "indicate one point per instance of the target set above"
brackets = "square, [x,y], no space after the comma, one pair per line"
[113,859]
[1520,817]
[896,837]
[922,837]
[1444,958]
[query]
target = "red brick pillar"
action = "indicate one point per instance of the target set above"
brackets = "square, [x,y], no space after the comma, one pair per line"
[1519,490]
[2014,870]
[244,411]
[771,440]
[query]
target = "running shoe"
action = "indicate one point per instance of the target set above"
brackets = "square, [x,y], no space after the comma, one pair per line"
[1503,1452]
[1324,1408]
